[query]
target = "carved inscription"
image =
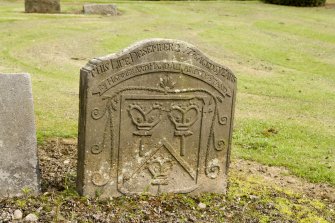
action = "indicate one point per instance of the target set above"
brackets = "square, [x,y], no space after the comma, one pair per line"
[156,118]
[136,55]
[151,67]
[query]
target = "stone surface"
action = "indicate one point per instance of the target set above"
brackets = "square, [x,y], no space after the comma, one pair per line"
[156,117]
[102,9]
[31,218]
[42,6]
[18,148]
[202,205]
[17,215]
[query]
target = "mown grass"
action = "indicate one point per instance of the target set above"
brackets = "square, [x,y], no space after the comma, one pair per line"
[282,56]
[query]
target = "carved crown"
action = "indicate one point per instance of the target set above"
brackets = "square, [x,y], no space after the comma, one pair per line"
[144,120]
[184,117]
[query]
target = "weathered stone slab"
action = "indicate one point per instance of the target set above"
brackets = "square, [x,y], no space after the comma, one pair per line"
[156,117]
[42,6]
[18,149]
[102,9]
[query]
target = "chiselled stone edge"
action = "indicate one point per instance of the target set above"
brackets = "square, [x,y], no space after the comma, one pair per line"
[231,128]
[37,189]
[97,60]
[80,182]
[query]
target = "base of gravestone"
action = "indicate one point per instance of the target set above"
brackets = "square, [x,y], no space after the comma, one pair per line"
[42,6]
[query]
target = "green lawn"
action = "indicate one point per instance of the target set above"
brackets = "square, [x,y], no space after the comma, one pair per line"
[283,57]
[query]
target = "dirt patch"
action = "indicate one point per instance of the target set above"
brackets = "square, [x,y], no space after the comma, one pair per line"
[58,163]
[281,177]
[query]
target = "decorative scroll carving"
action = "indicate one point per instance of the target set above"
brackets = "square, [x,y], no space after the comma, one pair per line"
[96,149]
[213,169]
[99,180]
[220,145]
[97,114]
[223,120]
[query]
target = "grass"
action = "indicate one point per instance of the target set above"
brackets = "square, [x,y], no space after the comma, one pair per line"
[282,56]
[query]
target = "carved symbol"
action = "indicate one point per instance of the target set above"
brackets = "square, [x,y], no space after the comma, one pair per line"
[99,180]
[220,144]
[166,83]
[182,135]
[223,120]
[171,150]
[144,121]
[95,149]
[213,169]
[159,169]
[183,119]
[96,114]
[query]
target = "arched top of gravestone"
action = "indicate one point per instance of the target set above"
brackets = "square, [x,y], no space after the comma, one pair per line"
[157,50]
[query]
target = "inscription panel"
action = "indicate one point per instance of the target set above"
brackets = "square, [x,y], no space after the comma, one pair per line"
[155,118]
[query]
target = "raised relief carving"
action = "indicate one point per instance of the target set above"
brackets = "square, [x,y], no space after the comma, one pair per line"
[96,114]
[213,169]
[223,120]
[183,118]
[100,179]
[167,83]
[159,163]
[159,169]
[96,149]
[220,145]
[145,121]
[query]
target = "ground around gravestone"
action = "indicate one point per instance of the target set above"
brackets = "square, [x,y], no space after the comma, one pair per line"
[257,193]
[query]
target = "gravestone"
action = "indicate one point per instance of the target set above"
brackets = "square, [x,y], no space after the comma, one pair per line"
[42,6]
[18,148]
[155,118]
[102,9]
